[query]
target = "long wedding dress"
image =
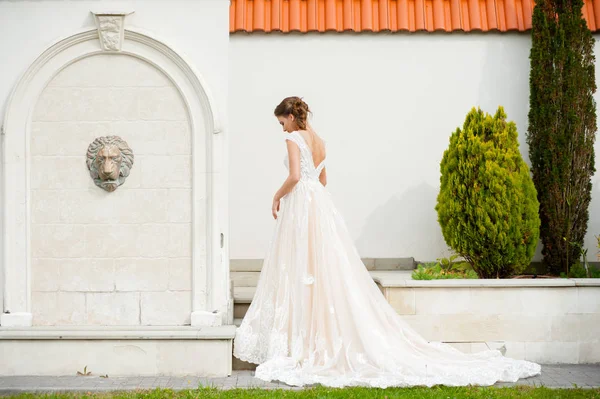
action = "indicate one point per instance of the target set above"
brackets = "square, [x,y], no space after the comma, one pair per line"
[318,317]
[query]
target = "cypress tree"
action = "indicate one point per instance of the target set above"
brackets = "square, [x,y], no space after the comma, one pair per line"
[562,127]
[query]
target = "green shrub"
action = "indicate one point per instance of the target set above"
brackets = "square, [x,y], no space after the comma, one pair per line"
[581,263]
[435,271]
[577,270]
[487,205]
[562,126]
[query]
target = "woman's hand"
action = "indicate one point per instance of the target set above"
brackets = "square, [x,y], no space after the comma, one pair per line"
[275,207]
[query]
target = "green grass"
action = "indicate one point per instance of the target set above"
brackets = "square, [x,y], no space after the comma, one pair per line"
[335,393]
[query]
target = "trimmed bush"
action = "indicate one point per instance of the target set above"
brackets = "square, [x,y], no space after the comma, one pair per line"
[487,206]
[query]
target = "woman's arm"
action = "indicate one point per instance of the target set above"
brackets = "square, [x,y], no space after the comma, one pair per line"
[293,177]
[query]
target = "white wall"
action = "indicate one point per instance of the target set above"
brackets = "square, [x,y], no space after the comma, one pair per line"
[387,105]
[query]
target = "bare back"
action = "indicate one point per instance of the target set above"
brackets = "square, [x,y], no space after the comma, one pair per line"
[316,145]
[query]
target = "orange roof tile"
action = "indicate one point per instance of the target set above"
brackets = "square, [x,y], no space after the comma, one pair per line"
[389,15]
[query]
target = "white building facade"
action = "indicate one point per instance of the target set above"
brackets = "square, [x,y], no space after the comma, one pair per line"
[136,281]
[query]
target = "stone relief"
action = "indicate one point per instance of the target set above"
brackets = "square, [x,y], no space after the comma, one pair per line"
[111,29]
[109,160]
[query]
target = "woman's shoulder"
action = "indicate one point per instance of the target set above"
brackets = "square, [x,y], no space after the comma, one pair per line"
[293,136]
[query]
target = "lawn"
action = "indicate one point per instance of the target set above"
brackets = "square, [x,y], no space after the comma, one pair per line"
[322,392]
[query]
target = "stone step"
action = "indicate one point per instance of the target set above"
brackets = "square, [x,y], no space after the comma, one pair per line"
[250,279]
[240,309]
[390,263]
[255,265]
[245,265]
[244,279]
[236,363]
[242,295]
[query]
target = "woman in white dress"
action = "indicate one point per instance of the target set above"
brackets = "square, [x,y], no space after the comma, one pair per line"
[317,316]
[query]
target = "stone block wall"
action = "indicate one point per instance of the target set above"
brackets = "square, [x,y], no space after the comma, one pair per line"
[120,258]
[552,321]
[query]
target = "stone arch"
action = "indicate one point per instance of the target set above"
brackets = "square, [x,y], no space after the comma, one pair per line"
[210,281]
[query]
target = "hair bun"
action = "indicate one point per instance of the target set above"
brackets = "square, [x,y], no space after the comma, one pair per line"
[294,106]
[301,107]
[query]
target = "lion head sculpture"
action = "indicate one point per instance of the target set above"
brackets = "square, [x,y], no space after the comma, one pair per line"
[109,160]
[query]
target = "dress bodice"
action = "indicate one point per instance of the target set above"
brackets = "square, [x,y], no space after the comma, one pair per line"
[308,171]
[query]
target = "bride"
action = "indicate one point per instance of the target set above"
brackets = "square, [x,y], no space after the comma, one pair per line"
[317,316]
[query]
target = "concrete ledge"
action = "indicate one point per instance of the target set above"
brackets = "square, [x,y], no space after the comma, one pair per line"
[393,279]
[16,319]
[118,333]
[136,351]
[587,282]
